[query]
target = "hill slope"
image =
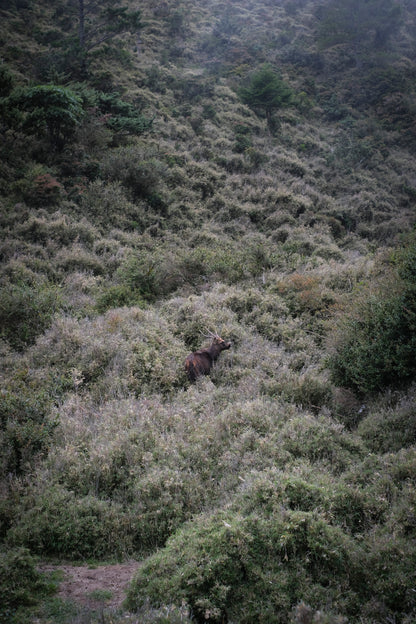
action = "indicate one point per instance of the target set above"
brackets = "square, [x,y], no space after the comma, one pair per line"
[143,204]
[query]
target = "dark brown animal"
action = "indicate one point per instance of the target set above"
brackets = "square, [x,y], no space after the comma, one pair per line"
[200,362]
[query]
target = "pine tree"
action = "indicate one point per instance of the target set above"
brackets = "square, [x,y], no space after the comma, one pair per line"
[266,92]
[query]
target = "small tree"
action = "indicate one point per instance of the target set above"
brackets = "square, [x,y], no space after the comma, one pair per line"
[49,109]
[266,92]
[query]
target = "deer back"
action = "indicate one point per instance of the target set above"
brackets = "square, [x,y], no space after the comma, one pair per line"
[200,362]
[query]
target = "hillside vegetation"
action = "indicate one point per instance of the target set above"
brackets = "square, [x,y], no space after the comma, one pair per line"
[175,168]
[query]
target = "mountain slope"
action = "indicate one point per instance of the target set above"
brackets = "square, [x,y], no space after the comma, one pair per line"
[165,209]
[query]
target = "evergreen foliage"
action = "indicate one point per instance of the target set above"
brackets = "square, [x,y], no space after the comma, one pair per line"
[20,585]
[49,109]
[266,92]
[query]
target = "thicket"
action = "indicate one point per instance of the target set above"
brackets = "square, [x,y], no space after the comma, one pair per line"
[21,585]
[377,340]
[285,539]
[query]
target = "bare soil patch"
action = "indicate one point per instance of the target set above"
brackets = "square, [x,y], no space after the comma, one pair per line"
[92,587]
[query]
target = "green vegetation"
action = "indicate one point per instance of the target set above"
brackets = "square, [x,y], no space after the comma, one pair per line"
[240,168]
[21,585]
[266,92]
[51,109]
[377,341]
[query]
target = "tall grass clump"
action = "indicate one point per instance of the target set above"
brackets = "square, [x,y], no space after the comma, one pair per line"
[124,350]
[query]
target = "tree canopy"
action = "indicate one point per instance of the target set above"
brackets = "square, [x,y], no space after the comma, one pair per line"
[50,109]
[266,92]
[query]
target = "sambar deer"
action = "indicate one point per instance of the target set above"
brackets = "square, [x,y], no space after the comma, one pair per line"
[200,362]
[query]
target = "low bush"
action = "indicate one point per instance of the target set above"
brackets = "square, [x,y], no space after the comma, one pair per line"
[107,206]
[21,585]
[376,341]
[305,487]
[78,258]
[54,522]
[322,440]
[392,561]
[388,429]
[55,230]
[226,566]
[25,430]
[127,348]
[149,274]
[308,390]
[138,171]
[303,293]
[163,499]
[117,296]
[39,187]
[25,312]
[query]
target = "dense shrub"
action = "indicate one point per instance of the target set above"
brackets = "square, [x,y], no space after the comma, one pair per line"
[39,187]
[295,536]
[57,229]
[107,206]
[305,487]
[306,390]
[123,349]
[225,566]
[392,560]
[25,312]
[57,523]
[25,430]
[163,499]
[148,274]
[20,583]
[139,170]
[322,440]
[388,429]
[376,341]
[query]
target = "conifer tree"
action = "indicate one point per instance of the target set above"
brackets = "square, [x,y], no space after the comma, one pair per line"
[266,92]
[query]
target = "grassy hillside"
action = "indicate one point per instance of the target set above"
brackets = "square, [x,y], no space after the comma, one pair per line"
[146,202]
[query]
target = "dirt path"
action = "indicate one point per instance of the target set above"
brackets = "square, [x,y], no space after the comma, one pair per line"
[94,587]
